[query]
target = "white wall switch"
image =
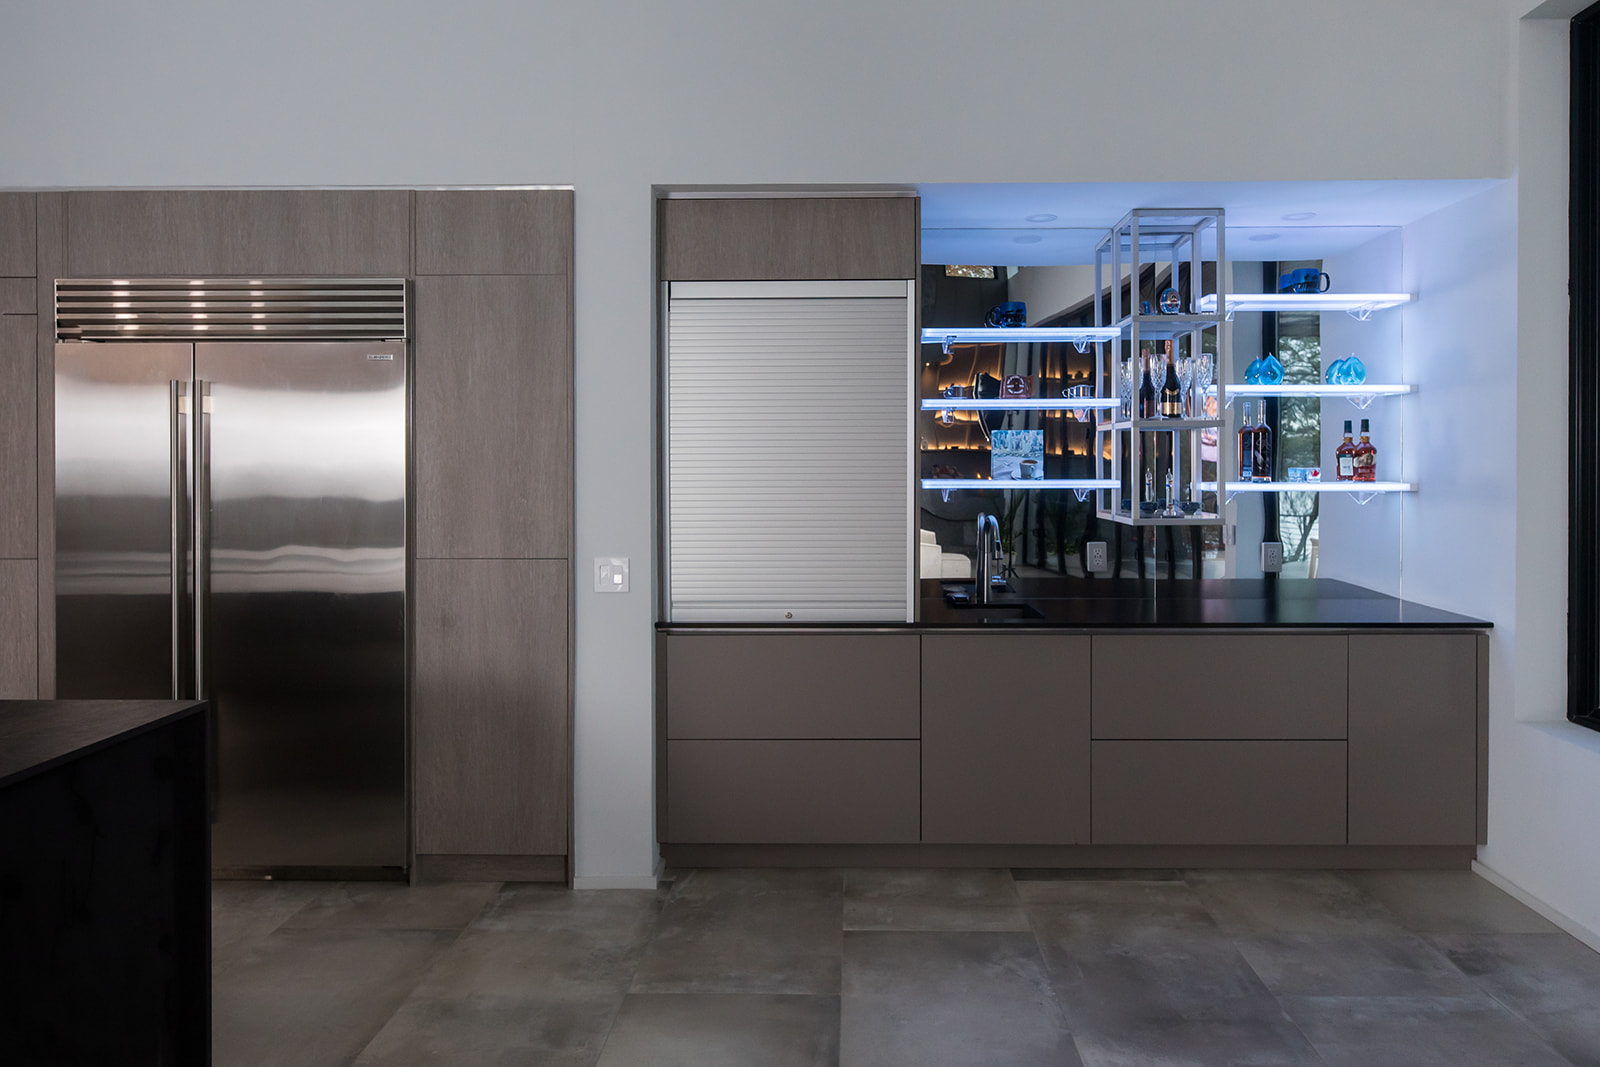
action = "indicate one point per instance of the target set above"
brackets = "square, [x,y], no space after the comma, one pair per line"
[611,574]
[1097,556]
[1271,557]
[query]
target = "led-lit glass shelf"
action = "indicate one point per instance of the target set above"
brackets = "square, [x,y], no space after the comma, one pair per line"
[1015,335]
[1359,305]
[1080,403]
[1031,483]
[1159,327]
[1199,518]
[1356,488]
[1161,425]
[1359,395]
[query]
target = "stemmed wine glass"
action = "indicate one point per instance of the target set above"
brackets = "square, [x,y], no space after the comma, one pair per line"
[1185,379]
[1127,388]
[1158,369]
[1203,370]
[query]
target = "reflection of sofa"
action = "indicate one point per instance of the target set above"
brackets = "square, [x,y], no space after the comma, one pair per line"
[937,564]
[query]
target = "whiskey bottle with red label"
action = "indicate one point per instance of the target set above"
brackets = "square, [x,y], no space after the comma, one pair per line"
[1365,458]
[1344,457]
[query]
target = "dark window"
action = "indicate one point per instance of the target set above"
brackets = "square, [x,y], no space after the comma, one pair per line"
[1583,356]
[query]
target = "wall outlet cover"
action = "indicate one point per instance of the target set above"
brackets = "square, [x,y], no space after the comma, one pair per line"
[611,574]
[1096,553]
[1271,557]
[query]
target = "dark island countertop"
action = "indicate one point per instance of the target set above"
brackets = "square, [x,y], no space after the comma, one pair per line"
[36,735]
[1077,604]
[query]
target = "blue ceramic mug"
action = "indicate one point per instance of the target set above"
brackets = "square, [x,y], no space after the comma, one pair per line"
[1305,280]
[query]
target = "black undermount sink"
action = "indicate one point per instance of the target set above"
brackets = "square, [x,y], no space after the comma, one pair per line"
[997,610]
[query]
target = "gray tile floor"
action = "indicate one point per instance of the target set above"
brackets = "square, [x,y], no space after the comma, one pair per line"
[872,967]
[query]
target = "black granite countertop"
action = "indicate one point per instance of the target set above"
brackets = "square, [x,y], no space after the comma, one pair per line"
[36,735]
[1127,603]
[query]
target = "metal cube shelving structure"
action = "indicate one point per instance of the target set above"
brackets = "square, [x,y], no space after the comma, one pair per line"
[1172,236]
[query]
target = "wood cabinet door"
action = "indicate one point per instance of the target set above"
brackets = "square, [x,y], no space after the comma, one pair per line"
[788,239]
[493,417]
[1005,739]
[1413,739]
[494,231]
[19,447]
[490,707]
[18,235]
[19,627]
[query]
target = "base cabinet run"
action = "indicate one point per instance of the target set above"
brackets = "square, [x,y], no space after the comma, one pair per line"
[1013,739]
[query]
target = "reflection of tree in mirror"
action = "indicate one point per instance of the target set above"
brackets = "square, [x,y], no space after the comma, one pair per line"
[1299,441]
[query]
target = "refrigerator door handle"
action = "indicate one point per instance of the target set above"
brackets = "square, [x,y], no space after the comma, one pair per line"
[177,492]
[200,411]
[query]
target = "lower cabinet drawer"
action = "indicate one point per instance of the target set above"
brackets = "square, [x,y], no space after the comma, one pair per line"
[1218,792]
[792,792]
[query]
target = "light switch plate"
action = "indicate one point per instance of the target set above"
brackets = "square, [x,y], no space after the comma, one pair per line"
[611,574]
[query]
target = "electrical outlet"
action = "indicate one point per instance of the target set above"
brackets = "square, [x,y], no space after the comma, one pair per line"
[1097,557]
[1271,557]
[611,574]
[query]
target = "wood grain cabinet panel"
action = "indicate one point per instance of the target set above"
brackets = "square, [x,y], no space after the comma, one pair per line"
[18,235]
[792,686]
[512,231]
[791,792]
[19,626]
[493,417]
[1413,739]
[19,413]
[1220,686]
[232,232]
[1219,793]
[1005,739]
[789,239]
[490,707]
[18,296]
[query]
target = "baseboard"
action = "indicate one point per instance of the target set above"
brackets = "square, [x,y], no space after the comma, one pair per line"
[1342,857]
[604,881]
[1566,922]
[472,868]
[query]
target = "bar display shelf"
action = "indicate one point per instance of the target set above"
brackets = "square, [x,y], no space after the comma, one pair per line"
[1362,491]
[1066,403]
[1359,306]
[1361,396]
[1170,237]
[1081,336]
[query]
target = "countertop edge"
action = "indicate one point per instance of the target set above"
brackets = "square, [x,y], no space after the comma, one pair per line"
[182,709]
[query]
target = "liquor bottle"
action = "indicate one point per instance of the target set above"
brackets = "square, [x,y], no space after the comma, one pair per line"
[1247,446]
[1344,457]
[1365,458]
[1171,391]
[1263,466]
[1147,389]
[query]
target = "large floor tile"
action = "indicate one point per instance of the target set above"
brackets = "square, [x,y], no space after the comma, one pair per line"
[719,1030]
[490,1031]
[1449,902]
[1353,966]
[525,906]
[1552,980]
[930,998]
[932,900]
[1271,1042]
[1290,902]
[305,998]
[1418,1032]
[747,932]
[393,906]
[1100,913]
[243,912]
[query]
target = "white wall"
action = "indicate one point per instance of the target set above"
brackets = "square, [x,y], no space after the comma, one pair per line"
[614,97]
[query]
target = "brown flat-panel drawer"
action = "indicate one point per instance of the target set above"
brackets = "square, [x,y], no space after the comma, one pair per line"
[1218,793]
[1220,686]
[792,792]
[785,686]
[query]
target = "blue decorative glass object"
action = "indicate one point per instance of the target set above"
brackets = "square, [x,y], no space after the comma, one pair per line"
[1171,304]
[1355,372]
[1252,373]
[1013,313]
[1335,373]
[1271,370]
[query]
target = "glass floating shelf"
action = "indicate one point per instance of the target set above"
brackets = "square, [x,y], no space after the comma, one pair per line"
[1166,425]
[1081,336]
[1358,305]
[1359,395]
[1066,403]
[1085,484]
[1362,491]
[1199,518]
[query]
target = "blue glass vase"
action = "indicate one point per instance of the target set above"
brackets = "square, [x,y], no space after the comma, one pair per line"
[1271,371]
[1355,372]
[1335,373]
[1252,373]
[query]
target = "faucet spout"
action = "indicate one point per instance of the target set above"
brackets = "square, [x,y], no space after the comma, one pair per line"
[988,554]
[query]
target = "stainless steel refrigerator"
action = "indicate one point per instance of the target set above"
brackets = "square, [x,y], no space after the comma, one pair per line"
[231,524]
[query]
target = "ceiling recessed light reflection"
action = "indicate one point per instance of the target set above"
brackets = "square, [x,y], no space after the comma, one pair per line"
[1263,237]
[1045,217]
[1299,216]
[1028,239]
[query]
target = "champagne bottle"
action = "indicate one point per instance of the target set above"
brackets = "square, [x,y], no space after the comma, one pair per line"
[1147,389]
[1344,457]
[1247,446]
[1171,392]
[1262,466]
[1365,458]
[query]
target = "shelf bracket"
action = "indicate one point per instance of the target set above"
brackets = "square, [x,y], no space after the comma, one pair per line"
[948,341]
[1081,346]
[1082,494]
[1231,494]
[1361,402]
[1362,498]
[945,493]
[1362,313]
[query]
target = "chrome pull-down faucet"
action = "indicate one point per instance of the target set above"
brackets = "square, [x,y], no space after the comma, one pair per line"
[988,555]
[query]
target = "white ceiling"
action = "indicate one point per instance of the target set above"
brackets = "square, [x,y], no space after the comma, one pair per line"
[980,223]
